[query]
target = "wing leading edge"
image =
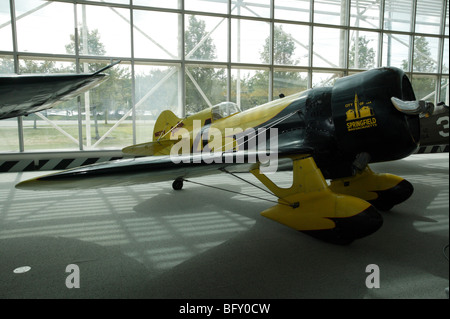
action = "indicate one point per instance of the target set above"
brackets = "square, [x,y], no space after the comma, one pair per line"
[153,169]
[26,94]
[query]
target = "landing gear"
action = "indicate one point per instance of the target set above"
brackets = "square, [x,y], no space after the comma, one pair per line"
[311,207]
[383,191]
[177,184]
[348,229]
[393,196]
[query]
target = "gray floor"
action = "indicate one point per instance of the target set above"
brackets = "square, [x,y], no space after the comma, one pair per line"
[152,242]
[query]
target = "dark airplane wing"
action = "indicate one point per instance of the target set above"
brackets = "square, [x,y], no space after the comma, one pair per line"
[25,94]
[126,172]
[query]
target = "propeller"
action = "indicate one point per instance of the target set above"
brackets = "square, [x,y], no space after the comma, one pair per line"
[420,107]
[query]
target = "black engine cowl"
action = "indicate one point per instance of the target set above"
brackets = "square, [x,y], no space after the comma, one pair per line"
[366,120]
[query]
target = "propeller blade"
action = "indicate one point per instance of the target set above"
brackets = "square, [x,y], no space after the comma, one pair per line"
[420,107]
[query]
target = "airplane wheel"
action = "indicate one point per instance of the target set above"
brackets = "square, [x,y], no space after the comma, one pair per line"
[350,228]
[177,184]
[393,196]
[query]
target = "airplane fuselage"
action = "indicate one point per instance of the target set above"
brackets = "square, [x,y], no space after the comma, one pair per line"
[338,125]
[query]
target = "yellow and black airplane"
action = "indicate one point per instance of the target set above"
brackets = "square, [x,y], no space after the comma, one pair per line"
[324,133]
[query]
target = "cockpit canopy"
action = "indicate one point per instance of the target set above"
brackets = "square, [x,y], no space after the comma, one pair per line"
[223,110]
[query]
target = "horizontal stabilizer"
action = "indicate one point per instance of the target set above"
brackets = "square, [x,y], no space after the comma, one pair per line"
[150,148]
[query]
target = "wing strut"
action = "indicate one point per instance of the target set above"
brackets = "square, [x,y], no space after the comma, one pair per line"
[230,191]
[259,187]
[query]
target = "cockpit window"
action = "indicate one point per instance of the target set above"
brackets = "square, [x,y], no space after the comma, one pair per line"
[224,109]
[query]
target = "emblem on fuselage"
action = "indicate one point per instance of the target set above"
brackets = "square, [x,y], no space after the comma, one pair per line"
[360,115]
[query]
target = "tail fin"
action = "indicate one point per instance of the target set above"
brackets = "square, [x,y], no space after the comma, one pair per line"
[164,124]
[161,143]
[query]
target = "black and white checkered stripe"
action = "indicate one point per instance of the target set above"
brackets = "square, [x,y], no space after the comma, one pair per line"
[433,149]
[24,162]
[25,165]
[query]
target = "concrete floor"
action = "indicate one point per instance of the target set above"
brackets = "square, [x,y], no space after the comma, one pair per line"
[149,241]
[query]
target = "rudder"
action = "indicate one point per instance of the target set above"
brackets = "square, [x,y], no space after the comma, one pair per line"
[165,123]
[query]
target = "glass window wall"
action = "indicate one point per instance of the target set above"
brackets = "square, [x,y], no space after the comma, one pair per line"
[363,52]
[251,8]
[398,15]
[396,50]
[149,41]
[293,10]
[6,42]
[189,55]
[43,27]
[330,12]
[329,47]
[248,39]
[365,14]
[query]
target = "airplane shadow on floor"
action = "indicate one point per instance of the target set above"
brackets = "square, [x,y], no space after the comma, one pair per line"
[225,249]
[103,272]
[269,260]
[193,198]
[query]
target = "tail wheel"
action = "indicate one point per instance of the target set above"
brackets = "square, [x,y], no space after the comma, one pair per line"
[177,184]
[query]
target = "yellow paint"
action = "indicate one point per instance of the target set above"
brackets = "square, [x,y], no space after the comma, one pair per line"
[151,148]
[364,185]
[365,111]
[164,124]
[309,203]
[351,115]
[360,109]
[169,127]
